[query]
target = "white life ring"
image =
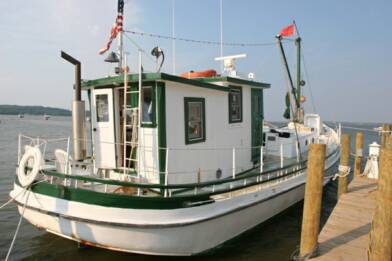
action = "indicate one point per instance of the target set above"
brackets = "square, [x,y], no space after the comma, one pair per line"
[26,178]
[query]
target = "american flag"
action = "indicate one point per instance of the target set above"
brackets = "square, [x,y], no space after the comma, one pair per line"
[116,28]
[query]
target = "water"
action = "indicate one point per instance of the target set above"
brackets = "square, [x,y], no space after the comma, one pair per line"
[274,240]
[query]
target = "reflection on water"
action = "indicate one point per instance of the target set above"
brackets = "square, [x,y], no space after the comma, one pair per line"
[274,240]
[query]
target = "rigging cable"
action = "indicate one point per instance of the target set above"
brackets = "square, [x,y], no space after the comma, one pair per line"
[202,41]
[308,81]
[306,72]
[139,47]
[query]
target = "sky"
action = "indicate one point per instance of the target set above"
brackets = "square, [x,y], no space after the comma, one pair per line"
[346,46]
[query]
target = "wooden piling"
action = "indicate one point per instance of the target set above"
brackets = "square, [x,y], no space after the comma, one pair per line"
[312,202]
[358,153]
[380,247]
[386,128]
[344,162]
[388,142]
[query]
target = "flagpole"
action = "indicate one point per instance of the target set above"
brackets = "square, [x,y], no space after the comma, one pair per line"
[120,10]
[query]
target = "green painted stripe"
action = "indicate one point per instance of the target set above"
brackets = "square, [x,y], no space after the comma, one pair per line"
[117,81]
[161,111]
[114,200]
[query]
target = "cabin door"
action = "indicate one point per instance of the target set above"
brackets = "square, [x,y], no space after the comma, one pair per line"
[257,122]
[103,128]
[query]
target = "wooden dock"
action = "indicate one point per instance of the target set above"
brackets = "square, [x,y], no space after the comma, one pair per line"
[345,236]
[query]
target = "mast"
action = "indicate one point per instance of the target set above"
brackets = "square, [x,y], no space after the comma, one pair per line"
[291,91]
[300,111]
[298,43]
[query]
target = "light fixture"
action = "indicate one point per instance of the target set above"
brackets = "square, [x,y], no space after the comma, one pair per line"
[112,58]
[157,52]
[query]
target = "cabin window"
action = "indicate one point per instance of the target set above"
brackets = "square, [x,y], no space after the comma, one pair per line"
[148,107]
[195,126]
[102,107]
[235,104]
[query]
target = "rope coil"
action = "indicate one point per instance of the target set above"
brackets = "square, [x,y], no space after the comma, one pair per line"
[343,171]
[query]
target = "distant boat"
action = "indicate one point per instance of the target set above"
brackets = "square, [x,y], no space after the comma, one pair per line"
[46,117]
[20,115]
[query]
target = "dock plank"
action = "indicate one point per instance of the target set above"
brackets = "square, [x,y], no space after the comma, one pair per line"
[345,236]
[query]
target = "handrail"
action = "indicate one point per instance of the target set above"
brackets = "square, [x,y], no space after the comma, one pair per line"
[241,176]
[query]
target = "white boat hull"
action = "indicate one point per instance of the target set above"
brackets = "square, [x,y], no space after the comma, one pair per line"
[177,232]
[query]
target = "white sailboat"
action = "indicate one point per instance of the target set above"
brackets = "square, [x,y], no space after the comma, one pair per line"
[178,165]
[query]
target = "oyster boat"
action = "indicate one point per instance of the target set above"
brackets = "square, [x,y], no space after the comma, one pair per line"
[169,165]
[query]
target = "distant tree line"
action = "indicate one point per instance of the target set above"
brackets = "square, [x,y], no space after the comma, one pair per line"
[33,110]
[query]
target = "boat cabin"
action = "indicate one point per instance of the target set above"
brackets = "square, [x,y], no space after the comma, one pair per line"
[190,129]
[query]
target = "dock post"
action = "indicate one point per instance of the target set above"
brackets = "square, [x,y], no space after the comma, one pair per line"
[358,153]
[385,132]
[312,202]
[380,247]
[388,142]
[344,164]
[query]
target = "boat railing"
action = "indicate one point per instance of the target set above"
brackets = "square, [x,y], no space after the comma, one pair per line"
[46,145]
[278,170]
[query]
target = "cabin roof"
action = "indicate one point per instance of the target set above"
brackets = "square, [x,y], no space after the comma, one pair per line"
[209,83]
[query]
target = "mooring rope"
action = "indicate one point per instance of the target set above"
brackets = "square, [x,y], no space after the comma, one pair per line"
[19,223]
[345,170]
[295,256]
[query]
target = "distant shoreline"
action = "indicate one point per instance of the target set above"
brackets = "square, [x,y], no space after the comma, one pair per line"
[33,110]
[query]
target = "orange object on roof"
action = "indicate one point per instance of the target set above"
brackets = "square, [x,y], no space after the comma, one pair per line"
[199,74]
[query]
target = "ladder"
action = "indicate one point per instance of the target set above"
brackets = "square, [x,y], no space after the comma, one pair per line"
[134,124]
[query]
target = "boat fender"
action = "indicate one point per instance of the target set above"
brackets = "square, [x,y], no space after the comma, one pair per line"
[26,177]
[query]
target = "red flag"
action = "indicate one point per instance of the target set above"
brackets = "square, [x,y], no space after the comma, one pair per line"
[113,35]
[287,31]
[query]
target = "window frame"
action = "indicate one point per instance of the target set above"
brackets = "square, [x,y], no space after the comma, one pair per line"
[188,100]
[230,100]
[153,123]
[98,119]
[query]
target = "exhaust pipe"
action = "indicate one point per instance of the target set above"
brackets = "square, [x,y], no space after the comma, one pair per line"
[78,113]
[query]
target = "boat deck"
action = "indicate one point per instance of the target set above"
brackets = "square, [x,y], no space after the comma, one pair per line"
[345,236]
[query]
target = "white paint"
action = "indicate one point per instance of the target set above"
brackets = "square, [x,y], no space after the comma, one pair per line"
[189,238]
[313,121]
[104,147]
[216,151]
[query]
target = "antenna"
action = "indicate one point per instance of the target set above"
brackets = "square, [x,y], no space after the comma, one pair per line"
[221,33]
[173,37]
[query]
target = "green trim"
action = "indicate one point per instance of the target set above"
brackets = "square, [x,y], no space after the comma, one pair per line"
[187,100]
[235,89]
[114,200]
[235,81]
[153,123]
[161,105]
[91,124]
[117,81]
[256,124]
[114,128]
